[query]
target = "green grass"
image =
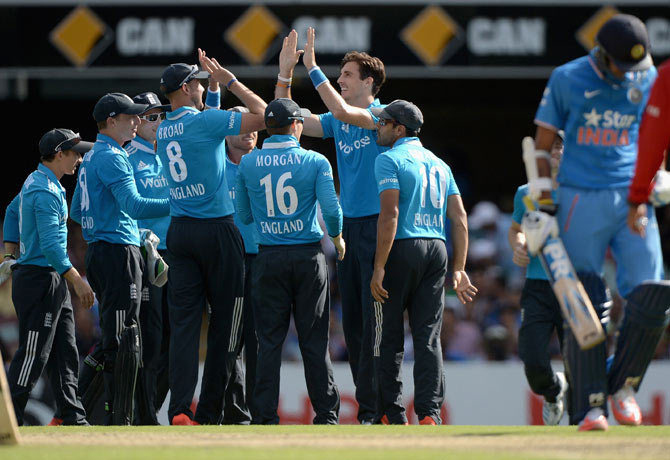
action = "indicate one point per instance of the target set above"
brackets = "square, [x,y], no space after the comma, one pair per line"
[338,443]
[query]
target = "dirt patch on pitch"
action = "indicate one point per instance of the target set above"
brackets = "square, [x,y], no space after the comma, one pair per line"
[587,447]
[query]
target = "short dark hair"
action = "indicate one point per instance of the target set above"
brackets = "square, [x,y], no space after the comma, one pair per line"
[282,130]
[368,66]
[102,125]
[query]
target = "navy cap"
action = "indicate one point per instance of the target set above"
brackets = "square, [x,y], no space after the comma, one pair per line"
[113,104]
[404,112]
[281,112]
[61,139]
[178,74]
[625,40]
[151,100]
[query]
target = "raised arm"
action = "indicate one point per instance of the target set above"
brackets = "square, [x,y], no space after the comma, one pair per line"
[340,109]
[253,121]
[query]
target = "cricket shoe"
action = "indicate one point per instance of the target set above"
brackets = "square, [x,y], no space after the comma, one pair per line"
[625,408]
[55,422]
[183,419]
[594,421]
[552,412]
[427,420]
[385,421]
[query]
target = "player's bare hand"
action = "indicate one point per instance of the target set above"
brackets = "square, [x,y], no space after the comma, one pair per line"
[465,291]
[84,292]
[289,55]
[378,291]
[340,245]
[215,70]
[308,58]
[520,256]
[637,219]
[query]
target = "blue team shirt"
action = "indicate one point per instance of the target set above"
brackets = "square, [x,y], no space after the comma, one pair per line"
[601,122]
[106,202]
[356,150]
[248,231]
[151,183]
[534,270]
[278,187]
[424,182]
[37,218]
[192,150]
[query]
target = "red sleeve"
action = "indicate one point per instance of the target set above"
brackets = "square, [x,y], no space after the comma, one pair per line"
[654,137]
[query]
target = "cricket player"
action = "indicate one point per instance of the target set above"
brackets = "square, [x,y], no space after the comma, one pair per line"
[599,100]
[541,312]
[205,249]
[417,193]
[278,188]
[352,127]
[652,146]
[35,222]
[107,205]
[151,183]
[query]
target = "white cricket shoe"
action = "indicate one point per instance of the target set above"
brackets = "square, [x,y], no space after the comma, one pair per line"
[625,408]
[552,412]
[594,421]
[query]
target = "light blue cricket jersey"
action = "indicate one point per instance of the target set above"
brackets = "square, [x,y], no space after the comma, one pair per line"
[248,231]
[37,218]
[192,151]
[534,270]
[356,150]
[601,122]
[106,202]
[424,182]
[151,183]
[278,187]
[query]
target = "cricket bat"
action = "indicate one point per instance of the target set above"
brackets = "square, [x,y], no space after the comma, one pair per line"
[543,241]
[9,431]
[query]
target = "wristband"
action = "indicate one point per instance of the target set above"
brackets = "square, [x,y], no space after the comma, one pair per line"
[231,82]
[11,256]
[285,80]
[317,76]
[283,85]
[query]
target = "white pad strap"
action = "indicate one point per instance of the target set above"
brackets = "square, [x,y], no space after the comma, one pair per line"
[536,184]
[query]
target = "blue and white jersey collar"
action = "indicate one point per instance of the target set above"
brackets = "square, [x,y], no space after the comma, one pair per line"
[50,175]
[408,141]
[142,144]
[375,103]
[180,112]
[280,141]
[104,139]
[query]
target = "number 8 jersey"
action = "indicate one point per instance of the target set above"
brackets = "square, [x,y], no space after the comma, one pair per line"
[191,147]
[424,182]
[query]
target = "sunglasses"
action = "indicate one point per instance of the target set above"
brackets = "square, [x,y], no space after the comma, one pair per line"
[386,121]
[153,117]
[194,71]
[68,143]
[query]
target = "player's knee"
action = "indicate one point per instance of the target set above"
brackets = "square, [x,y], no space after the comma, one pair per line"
[649,304]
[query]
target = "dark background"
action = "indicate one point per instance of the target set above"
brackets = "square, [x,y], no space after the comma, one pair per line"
[476,126]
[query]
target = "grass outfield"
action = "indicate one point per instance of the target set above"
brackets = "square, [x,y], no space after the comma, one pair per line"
[339,443]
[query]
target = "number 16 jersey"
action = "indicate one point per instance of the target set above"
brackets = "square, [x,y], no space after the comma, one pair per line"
[192,150]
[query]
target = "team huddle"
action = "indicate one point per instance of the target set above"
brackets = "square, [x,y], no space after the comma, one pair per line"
[184,214]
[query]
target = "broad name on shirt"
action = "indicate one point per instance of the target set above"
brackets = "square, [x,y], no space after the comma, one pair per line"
[165,132]
[154,182]
[187,191]
[282,228]
[428,220]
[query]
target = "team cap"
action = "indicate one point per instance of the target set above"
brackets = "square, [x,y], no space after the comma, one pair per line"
[624,38]
[151,100]
[281,112]
[402,111]
[179,74]
[60,139]
[113,104]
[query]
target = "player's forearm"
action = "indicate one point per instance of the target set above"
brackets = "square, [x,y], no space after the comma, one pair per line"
[252,102]
[52,243]
[10,227]
[137,207]
[459,237]
[11,248]
[515,236]
[386,230]
[213,99]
